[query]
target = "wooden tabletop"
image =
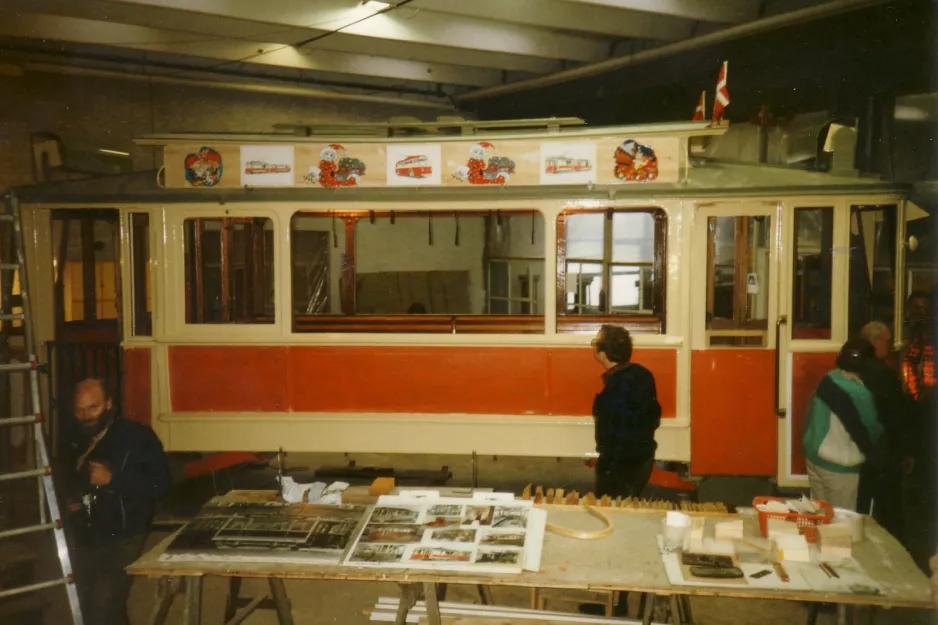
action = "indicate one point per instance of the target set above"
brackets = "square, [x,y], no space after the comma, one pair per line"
[627,560]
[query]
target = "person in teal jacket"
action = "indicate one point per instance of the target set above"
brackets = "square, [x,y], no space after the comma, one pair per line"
[842,430]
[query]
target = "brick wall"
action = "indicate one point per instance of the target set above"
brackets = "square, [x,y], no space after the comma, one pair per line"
[108,113]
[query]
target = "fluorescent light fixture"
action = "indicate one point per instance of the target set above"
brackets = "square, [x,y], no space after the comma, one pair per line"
[377,5]
[115,152]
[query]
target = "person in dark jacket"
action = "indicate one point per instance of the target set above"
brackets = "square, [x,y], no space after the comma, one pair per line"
[117,472]
[627,414]
[881,482]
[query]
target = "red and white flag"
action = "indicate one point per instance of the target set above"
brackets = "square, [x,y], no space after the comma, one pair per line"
[722,99]
[700,113]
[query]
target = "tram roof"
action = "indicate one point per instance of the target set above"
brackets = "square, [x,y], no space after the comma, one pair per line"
[704,178]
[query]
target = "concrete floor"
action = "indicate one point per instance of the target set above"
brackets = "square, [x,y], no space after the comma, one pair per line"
[346,602]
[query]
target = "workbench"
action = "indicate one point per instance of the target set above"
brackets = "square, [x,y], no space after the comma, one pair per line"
[627,560]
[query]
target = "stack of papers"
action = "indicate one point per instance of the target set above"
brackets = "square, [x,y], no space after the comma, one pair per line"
[729,530]
[793,548]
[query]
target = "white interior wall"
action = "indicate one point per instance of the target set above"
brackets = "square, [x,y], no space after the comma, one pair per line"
[405,246]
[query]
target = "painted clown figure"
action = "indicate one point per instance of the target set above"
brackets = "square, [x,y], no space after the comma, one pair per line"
[635,162]
[477,167]
[329,170]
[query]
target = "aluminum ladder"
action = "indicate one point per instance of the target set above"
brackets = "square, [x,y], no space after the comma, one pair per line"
[43,472]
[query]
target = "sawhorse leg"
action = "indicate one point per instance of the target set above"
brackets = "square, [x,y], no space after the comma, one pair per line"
[192,614]
[281,601]
[679,606]
[231,605]
[278,594]
[166,591]
[410,594]
[846,614]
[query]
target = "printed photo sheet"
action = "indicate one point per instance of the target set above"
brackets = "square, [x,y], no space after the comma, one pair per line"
[228,531]
[450,533]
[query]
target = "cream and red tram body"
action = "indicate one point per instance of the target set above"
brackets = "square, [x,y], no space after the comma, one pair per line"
[456,318]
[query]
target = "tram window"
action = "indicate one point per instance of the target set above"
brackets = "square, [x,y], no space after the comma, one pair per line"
[611,267]
[738,281]
[418,272]
[86,267]
[142,309]
[318,247]
[812,272]
[872,266]
[229,270]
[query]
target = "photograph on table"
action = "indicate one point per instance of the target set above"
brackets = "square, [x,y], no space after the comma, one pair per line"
[509,516]
[451,533]
[267,532]
[498,556]
[479,514]
[440,554]
[502,539]
[383,554]
[454,535]
[395,515]
[391,533]
[449,510]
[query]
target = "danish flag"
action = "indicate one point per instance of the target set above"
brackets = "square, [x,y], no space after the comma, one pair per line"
[722,99]
[700,113]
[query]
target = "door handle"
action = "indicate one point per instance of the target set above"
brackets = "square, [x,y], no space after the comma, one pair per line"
[779,412]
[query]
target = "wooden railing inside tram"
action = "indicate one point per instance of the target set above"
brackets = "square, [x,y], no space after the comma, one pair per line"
[470,324]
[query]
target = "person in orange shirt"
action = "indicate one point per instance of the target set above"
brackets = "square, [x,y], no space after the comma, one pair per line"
[918,363]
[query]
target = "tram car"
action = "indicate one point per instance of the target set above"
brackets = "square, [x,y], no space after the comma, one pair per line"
[453,318]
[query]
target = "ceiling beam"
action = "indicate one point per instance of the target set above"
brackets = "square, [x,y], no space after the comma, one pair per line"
[437,29]
[295,21]
[228,51]
[827,9]
[206,81]
[403,24]
[566,16]
[720,11]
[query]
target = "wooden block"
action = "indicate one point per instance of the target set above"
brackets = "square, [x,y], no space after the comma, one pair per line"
[591,499]
[793,548]
[833,530]
[539,491]
[780,527]
[382,486]
[549,497]
[835,540]
[526,493]
[605,501]
[558,496]
[728,530]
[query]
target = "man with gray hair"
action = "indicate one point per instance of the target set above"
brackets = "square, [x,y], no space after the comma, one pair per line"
[881,479]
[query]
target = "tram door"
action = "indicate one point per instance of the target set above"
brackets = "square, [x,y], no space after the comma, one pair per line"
[734,285]
[842,263]
[87,296]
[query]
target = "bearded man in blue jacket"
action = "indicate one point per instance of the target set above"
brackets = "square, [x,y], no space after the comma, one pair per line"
[117,472]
